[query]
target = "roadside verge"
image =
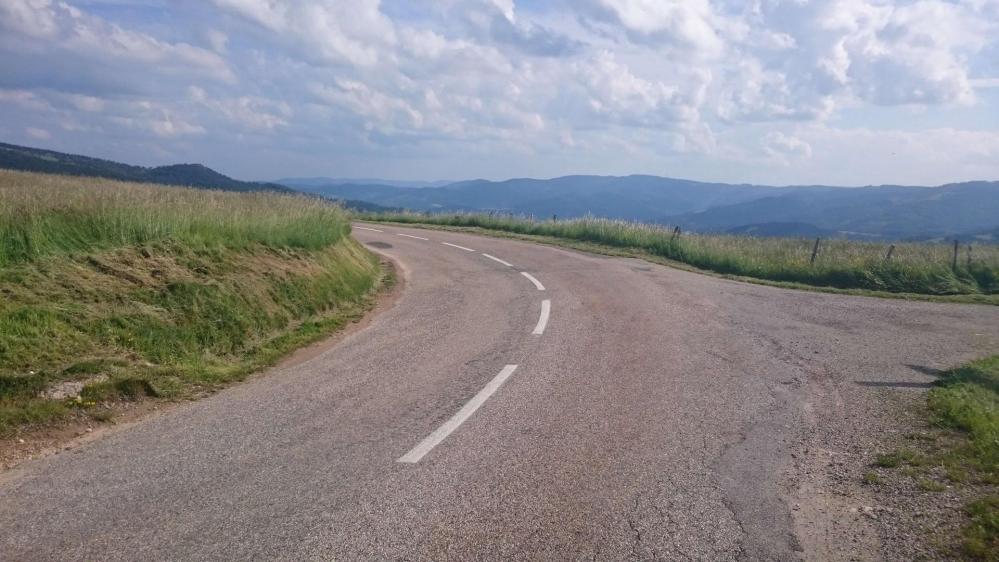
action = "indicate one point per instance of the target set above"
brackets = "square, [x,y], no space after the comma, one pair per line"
[119,298]
[619,251]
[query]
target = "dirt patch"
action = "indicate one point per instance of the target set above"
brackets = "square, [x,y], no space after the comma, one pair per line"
[846,507]
[832,517]
[70,389]
[832,523]
[79,429]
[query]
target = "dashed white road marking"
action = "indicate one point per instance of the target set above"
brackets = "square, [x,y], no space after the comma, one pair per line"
[466,411]
[411,236]
[457,246]
[495,259]
[546,310]
[533,280]
[366,228]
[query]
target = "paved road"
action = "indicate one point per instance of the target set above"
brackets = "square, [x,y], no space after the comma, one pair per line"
[653,417]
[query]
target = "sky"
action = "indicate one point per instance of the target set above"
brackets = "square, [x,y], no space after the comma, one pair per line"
[843,92]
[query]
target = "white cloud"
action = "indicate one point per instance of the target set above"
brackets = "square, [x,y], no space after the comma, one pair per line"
[506,7]
[35,18]
[462,84]
[24,99]
[63,26]
[930,156]
[688,23]
[890,53]
[387,112]
[87,103]
[984,83]
[785,147]
[344,31]
[270,14]
[164,125]
[218,40]
[246,111]
[620,95]
[36,133]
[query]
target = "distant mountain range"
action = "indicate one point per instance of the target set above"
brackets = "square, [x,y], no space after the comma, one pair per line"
[962,210]
[310,184]
[193,175]
[969,211]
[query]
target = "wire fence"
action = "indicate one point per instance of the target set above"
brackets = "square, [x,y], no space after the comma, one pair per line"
[931,268]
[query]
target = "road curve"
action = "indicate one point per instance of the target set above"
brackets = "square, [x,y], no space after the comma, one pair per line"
[652,415]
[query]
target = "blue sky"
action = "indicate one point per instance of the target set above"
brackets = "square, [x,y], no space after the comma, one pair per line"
[847,92]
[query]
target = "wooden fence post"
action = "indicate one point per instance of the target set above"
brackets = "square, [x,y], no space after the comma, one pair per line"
[969,256]
[890,250]
[815,251]
[953,263]
[676,234]
[554,218]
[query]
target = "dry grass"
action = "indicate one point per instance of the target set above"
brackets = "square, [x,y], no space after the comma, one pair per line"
[46,214]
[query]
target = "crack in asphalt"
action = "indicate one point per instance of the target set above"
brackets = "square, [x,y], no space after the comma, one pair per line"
[635,531]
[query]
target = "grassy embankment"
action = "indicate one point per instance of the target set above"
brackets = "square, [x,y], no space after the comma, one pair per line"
[913,268]
[140,291]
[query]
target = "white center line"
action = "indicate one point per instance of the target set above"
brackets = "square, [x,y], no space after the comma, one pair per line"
[533,280]
[457,246]
[546,310]
[494,258]
[411,236]
[466,411]
[366,228]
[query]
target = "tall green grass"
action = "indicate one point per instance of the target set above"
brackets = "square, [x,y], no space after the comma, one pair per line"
[912,268]
[141,290]
[44,215]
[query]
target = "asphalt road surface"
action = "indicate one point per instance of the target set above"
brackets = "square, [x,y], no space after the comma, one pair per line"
[643,413]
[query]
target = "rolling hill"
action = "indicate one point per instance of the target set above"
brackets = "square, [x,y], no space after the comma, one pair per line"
[962,210]
[645,198]
[895,212]
[875,212]
[28,159]
[310,184]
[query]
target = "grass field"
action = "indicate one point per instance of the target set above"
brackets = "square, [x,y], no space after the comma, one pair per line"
[148,291]
[912,268]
